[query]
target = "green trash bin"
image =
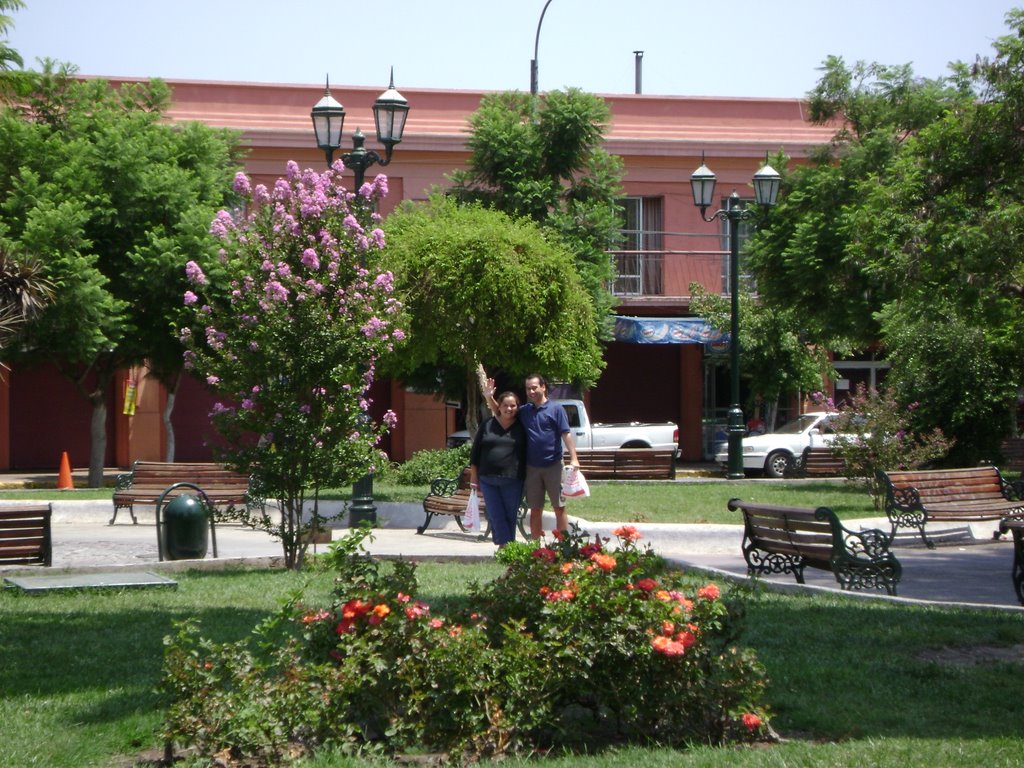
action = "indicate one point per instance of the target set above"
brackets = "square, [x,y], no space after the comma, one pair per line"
[184,527]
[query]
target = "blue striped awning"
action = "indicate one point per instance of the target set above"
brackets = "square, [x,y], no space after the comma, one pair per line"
[667,330]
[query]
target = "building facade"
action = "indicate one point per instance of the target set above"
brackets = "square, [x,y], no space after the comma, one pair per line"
[663,365]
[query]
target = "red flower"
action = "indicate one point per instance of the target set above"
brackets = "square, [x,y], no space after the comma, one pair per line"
[647,585]
[752,721]
[667,646]
[558,535]
[589,549]
[546,554]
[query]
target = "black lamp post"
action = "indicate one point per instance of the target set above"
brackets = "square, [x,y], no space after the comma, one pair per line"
[389,113]
[766,192]
[534,81]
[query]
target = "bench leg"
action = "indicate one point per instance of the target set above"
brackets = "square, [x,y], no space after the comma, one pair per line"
[131,511]
[426,522]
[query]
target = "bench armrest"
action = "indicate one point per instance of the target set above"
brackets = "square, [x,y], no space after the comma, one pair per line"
[123,481]
[443,486]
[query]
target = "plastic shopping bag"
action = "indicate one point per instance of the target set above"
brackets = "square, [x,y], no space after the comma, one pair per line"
[574,484]
[471,517]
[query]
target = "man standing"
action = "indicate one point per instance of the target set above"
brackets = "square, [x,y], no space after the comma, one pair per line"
[547,429]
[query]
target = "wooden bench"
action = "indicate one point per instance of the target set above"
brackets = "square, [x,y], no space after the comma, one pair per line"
[25,535]
[820,461]
[790,539]
[1012,451]
[627,463]
[450,495]
[149,479]
[974,494]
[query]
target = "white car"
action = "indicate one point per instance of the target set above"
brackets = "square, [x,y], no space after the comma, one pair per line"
[771,453]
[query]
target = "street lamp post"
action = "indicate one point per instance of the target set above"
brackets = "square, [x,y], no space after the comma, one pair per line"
[390,111]
[766,192]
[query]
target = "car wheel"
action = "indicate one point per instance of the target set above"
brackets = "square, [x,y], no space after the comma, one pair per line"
[777,463]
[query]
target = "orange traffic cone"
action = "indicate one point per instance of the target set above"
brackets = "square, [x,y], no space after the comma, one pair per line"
[64,481]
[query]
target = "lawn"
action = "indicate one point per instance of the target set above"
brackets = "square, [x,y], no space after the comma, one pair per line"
[853,682]
[698,501]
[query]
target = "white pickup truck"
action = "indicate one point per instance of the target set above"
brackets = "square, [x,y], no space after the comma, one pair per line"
[598,436]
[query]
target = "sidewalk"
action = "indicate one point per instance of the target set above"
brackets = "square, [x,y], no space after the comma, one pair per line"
[969,568]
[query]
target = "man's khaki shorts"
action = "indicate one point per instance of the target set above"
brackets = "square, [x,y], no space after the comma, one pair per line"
[541,479]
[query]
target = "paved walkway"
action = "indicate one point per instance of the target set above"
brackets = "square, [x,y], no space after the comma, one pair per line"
[968,568]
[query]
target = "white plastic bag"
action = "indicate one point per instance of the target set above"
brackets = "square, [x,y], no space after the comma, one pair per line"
[574,484]
[471,517]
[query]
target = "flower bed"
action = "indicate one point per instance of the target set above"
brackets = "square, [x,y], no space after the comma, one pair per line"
[578,645]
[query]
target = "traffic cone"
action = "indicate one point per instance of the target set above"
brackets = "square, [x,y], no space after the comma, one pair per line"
[64,481]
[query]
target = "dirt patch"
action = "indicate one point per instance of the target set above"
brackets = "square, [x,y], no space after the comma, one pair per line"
[972,655]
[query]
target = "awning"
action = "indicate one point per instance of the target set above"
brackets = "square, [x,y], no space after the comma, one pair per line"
[667,330]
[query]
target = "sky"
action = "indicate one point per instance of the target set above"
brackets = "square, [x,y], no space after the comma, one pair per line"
[737,48]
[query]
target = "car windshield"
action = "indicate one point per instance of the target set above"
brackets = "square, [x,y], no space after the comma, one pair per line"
[798,425]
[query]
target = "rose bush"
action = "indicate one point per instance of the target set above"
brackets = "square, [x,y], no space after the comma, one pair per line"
[582,646]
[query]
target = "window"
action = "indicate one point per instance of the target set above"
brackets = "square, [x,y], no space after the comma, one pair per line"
[744,230]
[639,263]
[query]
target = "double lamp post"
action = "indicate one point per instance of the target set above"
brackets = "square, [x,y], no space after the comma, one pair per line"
[766,192]
[390,111]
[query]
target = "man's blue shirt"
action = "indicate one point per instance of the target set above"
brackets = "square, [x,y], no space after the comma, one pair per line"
[545,426]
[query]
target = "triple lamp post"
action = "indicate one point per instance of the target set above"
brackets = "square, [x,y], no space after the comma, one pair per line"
[766,192]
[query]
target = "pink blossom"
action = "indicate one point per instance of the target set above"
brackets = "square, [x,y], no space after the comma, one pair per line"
[241,184]
[211,379]
[310,259]
[190,298]
[222,224]
[390,419]
[194,273]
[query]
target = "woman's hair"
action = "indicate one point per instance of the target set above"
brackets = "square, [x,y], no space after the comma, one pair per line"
[505,394]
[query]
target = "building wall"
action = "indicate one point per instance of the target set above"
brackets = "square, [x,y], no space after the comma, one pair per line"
[661,140]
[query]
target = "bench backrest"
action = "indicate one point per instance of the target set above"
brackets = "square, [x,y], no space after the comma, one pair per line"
[1012,450]
[639,463]
[797,531]
[949,485]
[820,460]
[25,535]
[162,474]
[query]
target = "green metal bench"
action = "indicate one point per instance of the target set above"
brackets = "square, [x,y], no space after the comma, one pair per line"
[789,539]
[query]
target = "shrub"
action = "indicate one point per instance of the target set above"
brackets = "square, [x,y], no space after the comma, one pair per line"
[581,646]
[424,466]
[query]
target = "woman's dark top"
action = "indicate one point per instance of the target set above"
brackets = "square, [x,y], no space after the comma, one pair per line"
[499,452]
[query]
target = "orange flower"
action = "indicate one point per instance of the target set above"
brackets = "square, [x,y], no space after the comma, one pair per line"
[686,639]
[667,646]
[558,535]
[566,567]
[709,592]
[627,533]
[602,561]
[381,610]
[647,585]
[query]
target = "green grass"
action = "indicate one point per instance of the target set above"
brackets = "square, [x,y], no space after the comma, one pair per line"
[850,681]
[651,501]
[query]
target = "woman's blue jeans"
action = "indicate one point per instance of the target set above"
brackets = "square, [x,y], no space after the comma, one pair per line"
[502,495]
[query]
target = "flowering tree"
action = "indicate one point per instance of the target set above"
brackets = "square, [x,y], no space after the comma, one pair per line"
[875,432]
[288,325]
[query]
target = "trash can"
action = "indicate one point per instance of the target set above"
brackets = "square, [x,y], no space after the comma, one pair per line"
[184,529]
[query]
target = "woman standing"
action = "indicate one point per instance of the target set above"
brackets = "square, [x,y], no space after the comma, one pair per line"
[497,466]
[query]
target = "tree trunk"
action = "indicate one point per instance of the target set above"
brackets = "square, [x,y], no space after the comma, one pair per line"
[172,392]
[473,402]
[97,438]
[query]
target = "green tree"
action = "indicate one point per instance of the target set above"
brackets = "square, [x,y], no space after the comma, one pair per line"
[542,158]
[114,200]
[292,346]
[906,230]
[774,356]
[483,288]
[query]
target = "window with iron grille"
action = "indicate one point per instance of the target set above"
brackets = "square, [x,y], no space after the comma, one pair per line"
[640,262]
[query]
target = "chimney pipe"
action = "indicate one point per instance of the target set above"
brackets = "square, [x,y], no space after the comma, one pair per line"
[639,66]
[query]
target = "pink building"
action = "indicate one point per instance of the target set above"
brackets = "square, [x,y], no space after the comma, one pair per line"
[661,140]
